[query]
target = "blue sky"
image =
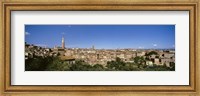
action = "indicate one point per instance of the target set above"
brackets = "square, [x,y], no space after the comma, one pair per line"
[102,36]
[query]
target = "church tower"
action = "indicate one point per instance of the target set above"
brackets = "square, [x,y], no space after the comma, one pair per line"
[63,43]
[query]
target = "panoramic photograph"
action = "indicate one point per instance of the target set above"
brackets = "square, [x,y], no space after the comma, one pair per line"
[99,47]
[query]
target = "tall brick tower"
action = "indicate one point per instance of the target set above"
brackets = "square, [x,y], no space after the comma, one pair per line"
[63,42]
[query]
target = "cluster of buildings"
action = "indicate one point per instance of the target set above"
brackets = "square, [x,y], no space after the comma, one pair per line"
[31,51]
[101,56]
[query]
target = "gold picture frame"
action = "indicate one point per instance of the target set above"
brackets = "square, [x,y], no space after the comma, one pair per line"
[95,5]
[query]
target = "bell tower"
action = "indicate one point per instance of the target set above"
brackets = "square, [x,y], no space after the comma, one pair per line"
[63,43]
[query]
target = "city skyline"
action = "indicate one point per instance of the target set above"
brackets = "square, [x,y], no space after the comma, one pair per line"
[102,36]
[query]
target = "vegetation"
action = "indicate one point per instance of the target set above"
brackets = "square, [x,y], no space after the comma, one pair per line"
[55,64]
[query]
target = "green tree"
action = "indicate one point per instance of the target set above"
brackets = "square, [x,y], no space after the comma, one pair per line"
[118,64]
[172,66]
[110,65]
[37,63]
[57,65]
[98,67]
[140,61]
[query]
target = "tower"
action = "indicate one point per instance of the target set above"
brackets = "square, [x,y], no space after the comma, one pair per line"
[93,47]
[63,43]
